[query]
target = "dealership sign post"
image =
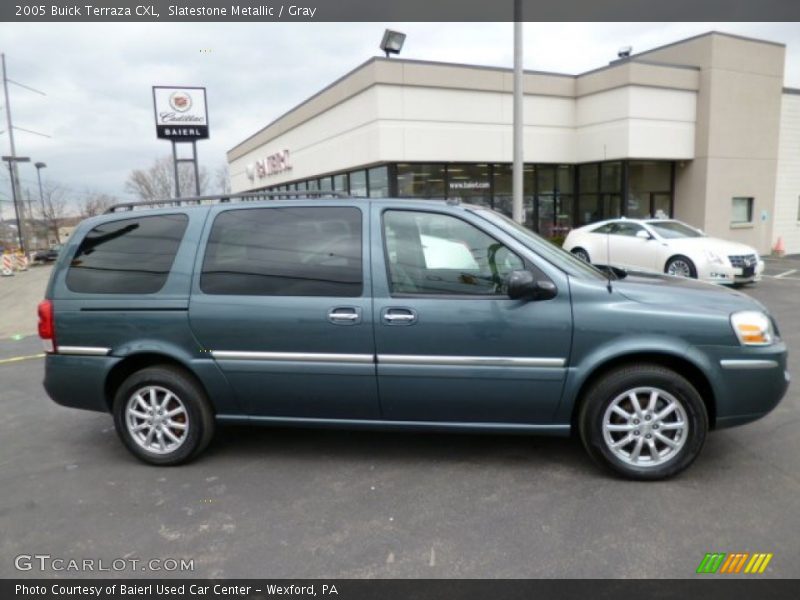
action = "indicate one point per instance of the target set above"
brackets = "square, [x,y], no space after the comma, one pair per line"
[181,117]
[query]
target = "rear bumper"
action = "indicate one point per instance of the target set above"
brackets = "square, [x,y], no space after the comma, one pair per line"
[78,381]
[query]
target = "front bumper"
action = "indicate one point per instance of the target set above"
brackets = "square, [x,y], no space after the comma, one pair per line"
[748,382]
[728,275]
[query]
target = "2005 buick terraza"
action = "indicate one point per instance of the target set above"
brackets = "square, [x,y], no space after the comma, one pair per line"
[392,314]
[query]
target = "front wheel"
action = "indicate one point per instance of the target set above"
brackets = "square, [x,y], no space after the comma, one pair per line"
[643,421]
[163,416]
[582,254]
[681,266]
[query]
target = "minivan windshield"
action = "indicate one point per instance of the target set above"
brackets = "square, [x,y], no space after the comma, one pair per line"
[550,252]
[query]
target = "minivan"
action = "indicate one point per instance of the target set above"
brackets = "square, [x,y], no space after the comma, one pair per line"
[424,315]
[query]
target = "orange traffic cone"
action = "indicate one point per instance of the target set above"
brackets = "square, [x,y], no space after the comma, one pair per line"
[779,249]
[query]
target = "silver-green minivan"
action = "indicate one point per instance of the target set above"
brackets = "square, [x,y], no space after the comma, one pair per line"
[391,314]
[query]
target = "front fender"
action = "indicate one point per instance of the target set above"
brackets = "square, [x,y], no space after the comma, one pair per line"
[630,346]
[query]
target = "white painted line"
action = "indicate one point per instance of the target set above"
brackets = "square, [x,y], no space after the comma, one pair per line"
[785,273]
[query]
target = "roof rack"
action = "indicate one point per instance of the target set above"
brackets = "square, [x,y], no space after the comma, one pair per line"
[223,198]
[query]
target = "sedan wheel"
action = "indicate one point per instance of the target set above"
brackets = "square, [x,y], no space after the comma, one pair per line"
[680,266]
[582,254]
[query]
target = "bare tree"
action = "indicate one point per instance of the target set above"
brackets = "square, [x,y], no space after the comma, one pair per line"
[53,207]
[96,203]
[158,181]
[222,179]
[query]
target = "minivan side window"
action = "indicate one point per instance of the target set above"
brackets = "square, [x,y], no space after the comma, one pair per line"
[129,256]
[429,253]
[295,251]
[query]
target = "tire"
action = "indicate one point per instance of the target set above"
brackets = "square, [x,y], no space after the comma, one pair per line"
[613,389]
[582,254]
[187,405]
[682,267]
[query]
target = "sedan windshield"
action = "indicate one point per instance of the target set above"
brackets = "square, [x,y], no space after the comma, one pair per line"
[671,230]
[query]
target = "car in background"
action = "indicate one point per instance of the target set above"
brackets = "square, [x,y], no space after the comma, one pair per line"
[46,256]
[666,246]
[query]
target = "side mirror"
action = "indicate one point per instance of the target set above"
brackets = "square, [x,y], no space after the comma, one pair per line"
[522,285]
[643,235]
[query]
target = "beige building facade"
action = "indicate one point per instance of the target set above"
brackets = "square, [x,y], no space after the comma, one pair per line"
[702,130]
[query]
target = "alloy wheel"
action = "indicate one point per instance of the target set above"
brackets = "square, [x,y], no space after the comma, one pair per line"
[156,419]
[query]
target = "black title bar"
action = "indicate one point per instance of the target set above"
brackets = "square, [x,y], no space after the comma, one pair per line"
[396,10]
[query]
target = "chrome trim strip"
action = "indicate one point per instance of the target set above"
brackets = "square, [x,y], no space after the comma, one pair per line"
[83,350]
[293,357]
[469,361]
[748,364]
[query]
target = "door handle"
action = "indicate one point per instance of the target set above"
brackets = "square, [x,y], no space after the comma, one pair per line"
[344,315]
[399,316]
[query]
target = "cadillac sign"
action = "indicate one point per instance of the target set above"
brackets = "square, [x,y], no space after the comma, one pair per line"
[181,113]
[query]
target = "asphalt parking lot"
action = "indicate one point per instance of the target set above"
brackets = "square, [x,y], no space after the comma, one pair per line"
[268,502]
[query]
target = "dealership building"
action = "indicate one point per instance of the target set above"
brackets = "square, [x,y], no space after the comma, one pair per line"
[702,130]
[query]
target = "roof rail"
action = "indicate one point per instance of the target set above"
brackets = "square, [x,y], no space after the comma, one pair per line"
[223,198]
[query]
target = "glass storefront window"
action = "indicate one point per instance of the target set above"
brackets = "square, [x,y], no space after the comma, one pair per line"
[420,181]
[611,177]
[589,209]
[325,184]
[503,191]
[565,175]
[470,182]
[589,178]
[313,185]
[379,182]
[649,188]
[358,184]
[340,183]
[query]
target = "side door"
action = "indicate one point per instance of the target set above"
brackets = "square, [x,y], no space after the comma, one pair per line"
[451,346]
[281,300]
[631,251]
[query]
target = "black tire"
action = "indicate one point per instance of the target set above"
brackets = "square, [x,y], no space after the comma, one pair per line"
[582,254]
[614,385]
[685,260]
[199,417]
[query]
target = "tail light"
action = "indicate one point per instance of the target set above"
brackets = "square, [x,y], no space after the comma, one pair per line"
[47,325]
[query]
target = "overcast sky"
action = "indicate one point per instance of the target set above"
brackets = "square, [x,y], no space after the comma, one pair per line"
[98,77]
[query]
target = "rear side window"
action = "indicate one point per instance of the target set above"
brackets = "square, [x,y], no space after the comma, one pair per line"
[131,256]
[303,251]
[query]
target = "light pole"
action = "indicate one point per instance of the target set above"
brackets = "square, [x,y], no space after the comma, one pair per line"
[517,183]
[12,160]
[39,166]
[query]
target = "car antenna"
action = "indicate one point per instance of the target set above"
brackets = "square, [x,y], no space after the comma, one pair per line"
[608,259]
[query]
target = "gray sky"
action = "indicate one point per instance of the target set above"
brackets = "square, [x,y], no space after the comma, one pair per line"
[98,77]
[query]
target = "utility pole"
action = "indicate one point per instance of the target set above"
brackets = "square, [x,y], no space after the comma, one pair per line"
[517,182]
[12,164]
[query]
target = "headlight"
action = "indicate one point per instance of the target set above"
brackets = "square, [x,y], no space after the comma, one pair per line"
[714,257]
[753,328]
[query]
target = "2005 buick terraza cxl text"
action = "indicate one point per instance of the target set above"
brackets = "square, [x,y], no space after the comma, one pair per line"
[392,314]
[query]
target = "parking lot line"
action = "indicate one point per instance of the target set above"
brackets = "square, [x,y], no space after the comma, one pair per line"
[785,273]
[20,358]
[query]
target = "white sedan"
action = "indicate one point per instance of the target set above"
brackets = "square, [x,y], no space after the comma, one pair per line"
[666,246]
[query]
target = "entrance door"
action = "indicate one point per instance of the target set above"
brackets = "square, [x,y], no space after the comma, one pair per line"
[451,345]
[282,304]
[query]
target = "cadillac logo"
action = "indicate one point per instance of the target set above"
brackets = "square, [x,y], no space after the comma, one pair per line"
[180,101]
[748,262]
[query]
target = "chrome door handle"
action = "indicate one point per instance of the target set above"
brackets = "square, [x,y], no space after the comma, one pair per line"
[395,318]
[344,315]
[399,316]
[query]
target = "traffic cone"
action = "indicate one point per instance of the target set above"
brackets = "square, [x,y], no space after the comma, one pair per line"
[779,249]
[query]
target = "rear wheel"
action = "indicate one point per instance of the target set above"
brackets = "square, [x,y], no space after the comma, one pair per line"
[681,266]
[163,416]
[643,421]
[582,254]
